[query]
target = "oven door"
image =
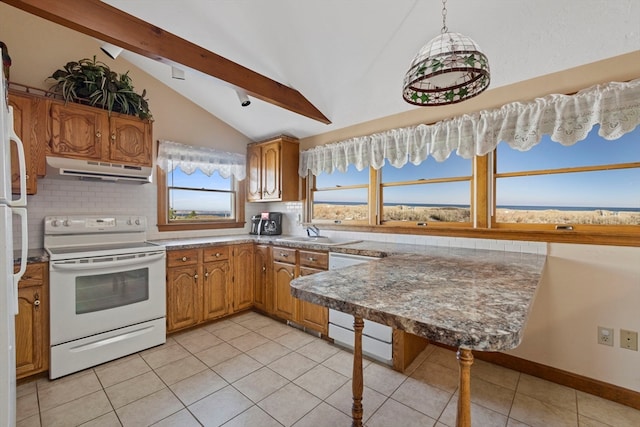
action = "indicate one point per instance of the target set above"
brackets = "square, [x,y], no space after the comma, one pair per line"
[95,295]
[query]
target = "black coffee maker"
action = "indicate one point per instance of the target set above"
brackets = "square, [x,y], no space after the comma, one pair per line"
[266,224]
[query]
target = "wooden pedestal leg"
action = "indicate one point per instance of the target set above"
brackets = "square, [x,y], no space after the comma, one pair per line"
[358,380]
[465,360]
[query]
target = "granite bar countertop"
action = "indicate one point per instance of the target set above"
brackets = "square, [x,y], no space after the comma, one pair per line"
[466,298]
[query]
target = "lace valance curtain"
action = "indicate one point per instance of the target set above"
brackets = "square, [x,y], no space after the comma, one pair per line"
[566,118]
[173,155]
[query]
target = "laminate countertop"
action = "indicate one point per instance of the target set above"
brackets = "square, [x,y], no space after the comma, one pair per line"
[466,298]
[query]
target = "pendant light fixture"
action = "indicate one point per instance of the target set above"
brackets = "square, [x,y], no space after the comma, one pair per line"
[449,69]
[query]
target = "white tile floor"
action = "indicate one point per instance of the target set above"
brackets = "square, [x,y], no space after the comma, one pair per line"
[253,371]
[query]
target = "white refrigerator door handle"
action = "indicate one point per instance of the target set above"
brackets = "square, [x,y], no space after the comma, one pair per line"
[22,213]
[22,200]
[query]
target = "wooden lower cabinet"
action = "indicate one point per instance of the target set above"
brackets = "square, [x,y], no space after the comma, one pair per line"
[311,315]
[284,304]
[183,297]
[262,274]
[208,283]
[288,264]
[215,284]
[32,321]
[242,279]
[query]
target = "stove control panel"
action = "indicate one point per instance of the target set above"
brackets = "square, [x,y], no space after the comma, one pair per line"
[91,224]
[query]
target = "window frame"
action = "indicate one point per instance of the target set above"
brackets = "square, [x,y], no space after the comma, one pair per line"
[482,215]
[164,223]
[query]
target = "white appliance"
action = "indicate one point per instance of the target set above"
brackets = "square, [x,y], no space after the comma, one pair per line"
[107,290]
[9,207]
[97,170]
[377,339]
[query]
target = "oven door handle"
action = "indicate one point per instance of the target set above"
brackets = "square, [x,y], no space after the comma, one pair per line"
[62,265]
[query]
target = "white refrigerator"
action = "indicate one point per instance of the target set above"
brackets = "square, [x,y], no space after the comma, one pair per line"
[12,208]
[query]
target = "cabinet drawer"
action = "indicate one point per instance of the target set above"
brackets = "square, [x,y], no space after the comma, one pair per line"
[306,271]
[284,255]
[182,257]
[33,275]
[216,253]
[314,259]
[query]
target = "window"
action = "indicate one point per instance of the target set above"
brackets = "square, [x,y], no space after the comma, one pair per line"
[341,197]
[197,188]
[429,193]
[590,184]
[198,201]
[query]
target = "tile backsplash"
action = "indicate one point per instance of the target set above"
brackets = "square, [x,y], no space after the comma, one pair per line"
[58,196]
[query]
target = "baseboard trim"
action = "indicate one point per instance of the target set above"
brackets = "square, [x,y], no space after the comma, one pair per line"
[598,388]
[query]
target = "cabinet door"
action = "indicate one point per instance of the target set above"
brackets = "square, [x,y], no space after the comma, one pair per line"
[216,292]
[271,171]
[312,315]
[242,277]
[29,331]
[32,327]
[284,304]
[25,125]
[129,140]
[78,131]
[183,296]
[262,297]
[254,173]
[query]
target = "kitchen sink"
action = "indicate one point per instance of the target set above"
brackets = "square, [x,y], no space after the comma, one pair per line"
[319,240]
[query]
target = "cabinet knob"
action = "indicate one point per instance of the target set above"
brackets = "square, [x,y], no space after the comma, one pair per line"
[36,303]
[264,268]
[113,136]
[195,277]
[282,254]
[290,274]
[218,254]
[206,273]
[98,134]
[184,259]
[312,259]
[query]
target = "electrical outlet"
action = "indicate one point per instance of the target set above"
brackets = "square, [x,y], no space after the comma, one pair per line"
[629,339]
[605,336]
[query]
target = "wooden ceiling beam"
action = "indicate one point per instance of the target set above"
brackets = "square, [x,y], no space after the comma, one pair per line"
[104,22]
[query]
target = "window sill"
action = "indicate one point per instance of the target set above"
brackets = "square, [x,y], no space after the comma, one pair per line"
[550,236]
[199,226]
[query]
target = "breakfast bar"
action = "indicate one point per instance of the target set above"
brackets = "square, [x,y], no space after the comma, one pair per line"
[465,298]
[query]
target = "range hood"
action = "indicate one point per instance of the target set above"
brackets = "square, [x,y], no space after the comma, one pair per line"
[97,170]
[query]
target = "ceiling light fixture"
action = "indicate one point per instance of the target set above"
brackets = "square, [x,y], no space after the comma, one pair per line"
[450,68]
[110,50]
[177,73]
[243,97]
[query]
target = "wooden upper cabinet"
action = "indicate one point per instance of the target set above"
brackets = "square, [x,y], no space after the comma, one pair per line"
[89,133]
[272,170]
[78,131]
[271,175]
[254,173]
[129,140]
[30,124]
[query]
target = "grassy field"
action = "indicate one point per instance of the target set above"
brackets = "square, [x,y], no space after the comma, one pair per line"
[452,214]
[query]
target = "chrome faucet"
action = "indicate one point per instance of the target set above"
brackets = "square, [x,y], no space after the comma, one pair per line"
[313,231]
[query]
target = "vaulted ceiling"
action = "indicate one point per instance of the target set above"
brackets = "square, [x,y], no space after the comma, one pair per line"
[348,58]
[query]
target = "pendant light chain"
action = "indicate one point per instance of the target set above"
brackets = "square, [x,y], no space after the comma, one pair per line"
[444,18]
